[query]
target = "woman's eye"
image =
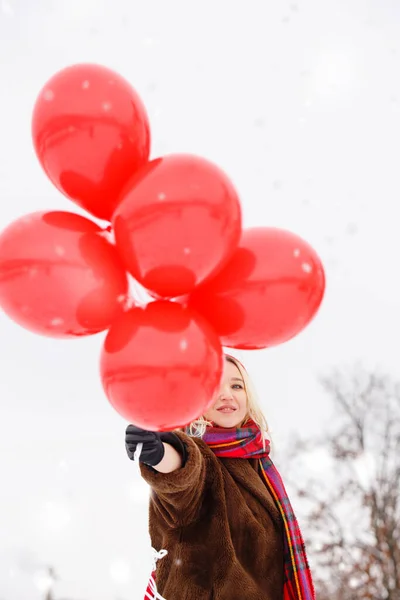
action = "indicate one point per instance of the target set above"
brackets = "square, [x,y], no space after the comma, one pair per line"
[237,385]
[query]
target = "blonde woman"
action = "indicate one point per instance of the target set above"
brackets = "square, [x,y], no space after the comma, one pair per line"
[218,505]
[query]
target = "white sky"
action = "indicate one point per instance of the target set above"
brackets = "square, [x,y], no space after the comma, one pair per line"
[299,102]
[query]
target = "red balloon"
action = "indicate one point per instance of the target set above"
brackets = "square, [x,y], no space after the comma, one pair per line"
[161,366]
[179,221]
[269,291]
[91,133]
[59,276]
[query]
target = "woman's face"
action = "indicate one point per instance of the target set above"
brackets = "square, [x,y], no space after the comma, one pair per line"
[230,405]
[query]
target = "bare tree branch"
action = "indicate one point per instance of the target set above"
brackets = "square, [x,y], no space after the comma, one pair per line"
[353,519]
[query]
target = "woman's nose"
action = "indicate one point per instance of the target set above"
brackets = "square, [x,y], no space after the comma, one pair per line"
[226,393]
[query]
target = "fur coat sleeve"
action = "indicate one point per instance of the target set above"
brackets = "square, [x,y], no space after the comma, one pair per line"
[178,496]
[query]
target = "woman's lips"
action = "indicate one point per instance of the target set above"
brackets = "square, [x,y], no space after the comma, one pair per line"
[226,409]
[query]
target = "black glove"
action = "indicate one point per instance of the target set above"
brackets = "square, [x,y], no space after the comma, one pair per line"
[153,450]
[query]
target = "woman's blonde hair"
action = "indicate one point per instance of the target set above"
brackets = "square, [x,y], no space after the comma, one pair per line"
[198,427]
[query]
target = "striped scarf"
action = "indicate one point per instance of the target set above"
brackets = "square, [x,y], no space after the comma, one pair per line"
[247,442]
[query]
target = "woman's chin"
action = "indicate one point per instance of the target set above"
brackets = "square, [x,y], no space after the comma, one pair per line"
[227,421]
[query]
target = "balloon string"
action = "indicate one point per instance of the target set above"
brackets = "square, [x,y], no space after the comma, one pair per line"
[137,294]
[141,296]
[137,454]
[156,555]
[152,584]
[108,234]
[132,297]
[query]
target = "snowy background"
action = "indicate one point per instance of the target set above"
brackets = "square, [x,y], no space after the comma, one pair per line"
[299,102]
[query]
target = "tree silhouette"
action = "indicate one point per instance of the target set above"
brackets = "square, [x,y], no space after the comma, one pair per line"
[352,507]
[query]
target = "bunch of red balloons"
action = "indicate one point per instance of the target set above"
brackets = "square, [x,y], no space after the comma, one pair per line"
[176,224]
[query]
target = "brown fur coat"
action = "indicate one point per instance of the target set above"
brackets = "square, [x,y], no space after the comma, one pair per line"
[222,530]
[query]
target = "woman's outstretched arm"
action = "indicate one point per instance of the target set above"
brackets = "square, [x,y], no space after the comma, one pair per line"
[175,467]
[171,462]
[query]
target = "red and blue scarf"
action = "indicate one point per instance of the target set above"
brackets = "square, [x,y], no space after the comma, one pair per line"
[247,442]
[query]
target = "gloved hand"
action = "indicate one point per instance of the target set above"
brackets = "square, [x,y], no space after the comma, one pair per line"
[153,450]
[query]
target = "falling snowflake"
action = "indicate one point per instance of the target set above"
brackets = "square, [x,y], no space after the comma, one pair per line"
[48,95]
